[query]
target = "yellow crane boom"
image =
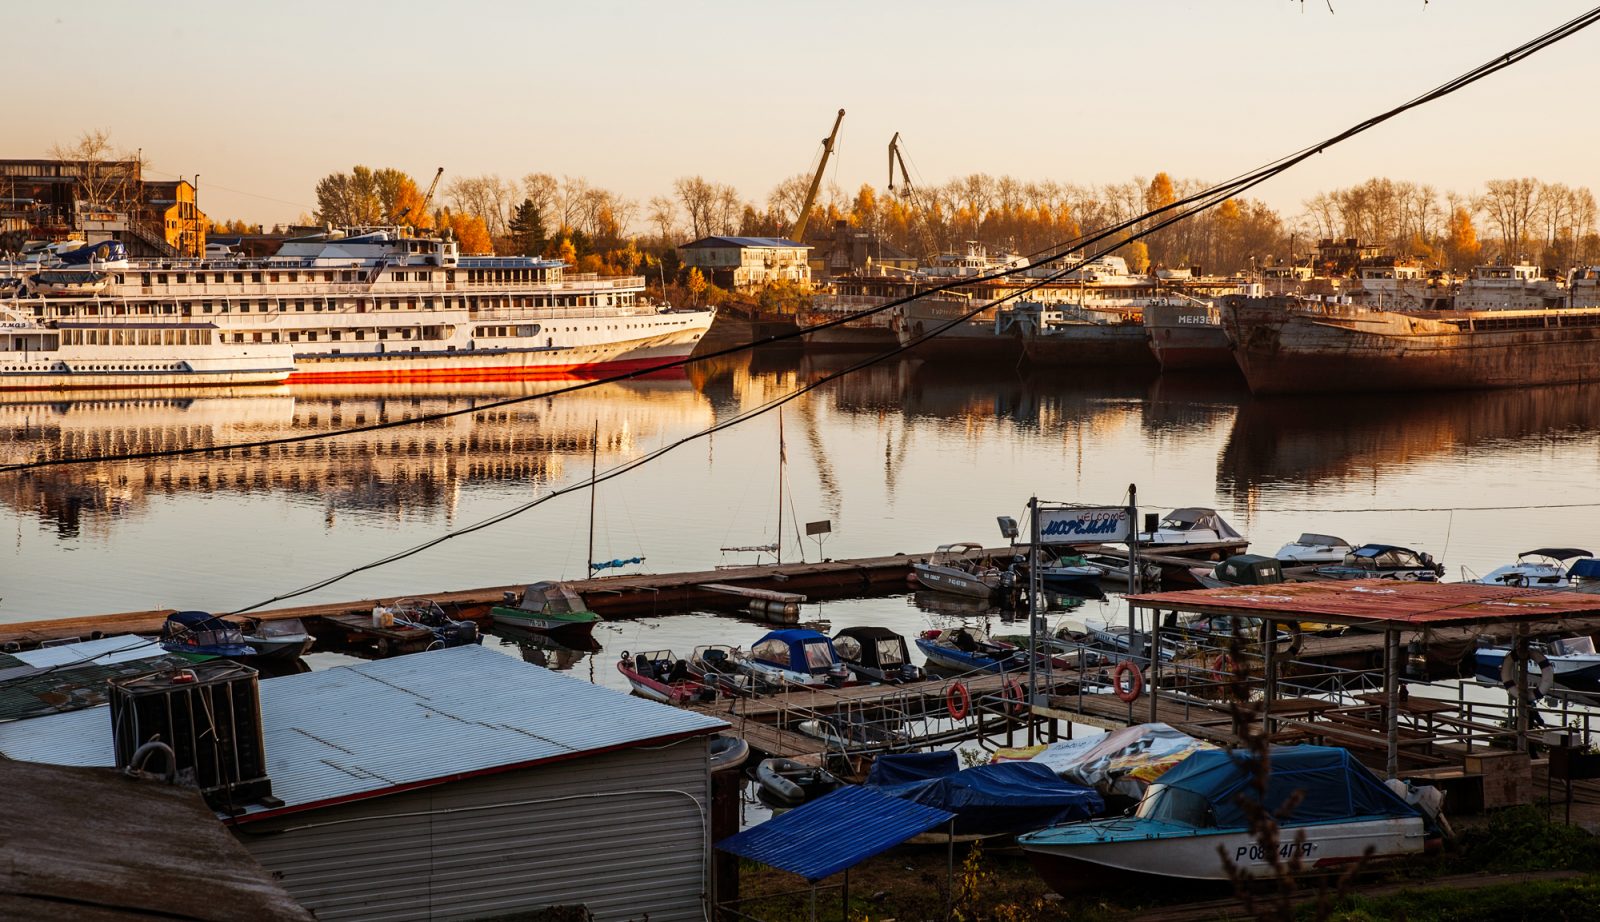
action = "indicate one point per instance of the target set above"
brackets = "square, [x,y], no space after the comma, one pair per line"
[799,232]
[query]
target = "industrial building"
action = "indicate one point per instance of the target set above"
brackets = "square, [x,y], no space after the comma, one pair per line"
[459,783]
[742,263]
[853,251]
[99,200]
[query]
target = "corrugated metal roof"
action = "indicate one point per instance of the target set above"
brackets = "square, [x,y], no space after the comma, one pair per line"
[839,831]
[724,241]
[118,648]
[1383,603]
[362,730]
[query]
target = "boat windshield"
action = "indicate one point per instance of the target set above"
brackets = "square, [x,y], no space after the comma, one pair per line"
[848,647]
[819,655]
[1175,805]
[889,653]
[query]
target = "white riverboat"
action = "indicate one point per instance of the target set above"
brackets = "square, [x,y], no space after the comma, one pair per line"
[95,355]
[382,304]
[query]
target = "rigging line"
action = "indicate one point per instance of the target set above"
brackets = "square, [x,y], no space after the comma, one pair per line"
[1201,200]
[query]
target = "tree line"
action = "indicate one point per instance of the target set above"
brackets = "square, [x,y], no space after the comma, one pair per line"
[596,229]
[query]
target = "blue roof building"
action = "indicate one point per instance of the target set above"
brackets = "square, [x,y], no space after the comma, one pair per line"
[748,262]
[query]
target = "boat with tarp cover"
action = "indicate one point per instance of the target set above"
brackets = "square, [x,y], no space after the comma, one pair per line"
[1200,807]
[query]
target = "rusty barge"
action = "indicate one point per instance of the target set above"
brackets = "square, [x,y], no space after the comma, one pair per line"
[1187,335]
[1289,346]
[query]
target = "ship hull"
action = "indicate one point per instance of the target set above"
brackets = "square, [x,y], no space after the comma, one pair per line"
[105,381]
[1187,337]
[1091,345]
[945,332]
[1340,349]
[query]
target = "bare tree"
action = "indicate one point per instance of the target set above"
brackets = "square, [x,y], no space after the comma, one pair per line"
[699,200]
[664,218]
[788,197]
[1509,205]
[104,179]
[486,197]
[543,190]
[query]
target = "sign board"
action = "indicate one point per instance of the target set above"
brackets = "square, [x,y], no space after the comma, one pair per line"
[819,528]
[1084,525]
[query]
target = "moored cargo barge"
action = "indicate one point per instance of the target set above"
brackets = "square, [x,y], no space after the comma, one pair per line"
[1187,335]
[1285,346]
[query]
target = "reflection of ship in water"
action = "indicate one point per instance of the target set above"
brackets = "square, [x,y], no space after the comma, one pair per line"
[411,468]
[1191,404]
[1317,441]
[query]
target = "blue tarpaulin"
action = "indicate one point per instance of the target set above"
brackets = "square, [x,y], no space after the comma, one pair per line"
[904,767]
[1004,798]
[1333,785]
[835,832]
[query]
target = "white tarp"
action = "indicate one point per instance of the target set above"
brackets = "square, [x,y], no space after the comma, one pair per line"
[1123,761]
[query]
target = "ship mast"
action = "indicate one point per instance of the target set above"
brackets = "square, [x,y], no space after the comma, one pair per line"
[594,469]
[777,544]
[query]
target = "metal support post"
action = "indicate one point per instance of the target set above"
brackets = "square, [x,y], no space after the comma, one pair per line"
[1391,694]
[1155,661]
[1033,607]
[1269,693]
[1519,654]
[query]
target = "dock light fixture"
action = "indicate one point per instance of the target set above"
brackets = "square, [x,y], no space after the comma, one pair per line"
[1008,527]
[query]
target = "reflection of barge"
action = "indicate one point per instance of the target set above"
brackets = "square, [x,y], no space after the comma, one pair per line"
[1287,346]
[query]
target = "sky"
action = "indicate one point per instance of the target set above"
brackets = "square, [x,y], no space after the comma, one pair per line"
[262,100]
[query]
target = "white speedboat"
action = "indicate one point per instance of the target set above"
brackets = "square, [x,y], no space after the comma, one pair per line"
[1312,549]
[963,569]
[1540,568]
[1191,824]
[795,657]
[1190,525]
[1383,561]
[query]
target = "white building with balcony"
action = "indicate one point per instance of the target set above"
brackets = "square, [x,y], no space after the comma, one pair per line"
[748,262]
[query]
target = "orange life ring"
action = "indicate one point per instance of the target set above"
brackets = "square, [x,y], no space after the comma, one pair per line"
[958,701]
[1225,665]
[1012,693]
[1135,681]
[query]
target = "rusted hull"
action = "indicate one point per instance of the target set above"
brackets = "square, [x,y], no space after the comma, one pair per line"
[1187,336]
[1091,345]
[1181,355]
[1305,352]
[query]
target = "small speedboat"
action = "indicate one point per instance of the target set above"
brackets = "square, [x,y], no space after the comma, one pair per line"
[1240,570]
[661,676]
[795,657]
[428,615]
[716,666]
[1312,549]
[284,638]
[1191,824]
[787,783]
[549,608]
[200,633]
[1540,568]
[1190,525]
[964,649]
[1072,574]
[876,654]
[1561,665]
[963,569]
[1383,561]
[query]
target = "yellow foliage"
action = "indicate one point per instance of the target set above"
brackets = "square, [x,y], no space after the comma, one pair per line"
[471,233]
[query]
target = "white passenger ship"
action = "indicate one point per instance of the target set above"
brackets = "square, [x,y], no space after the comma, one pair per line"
[377,304]
[104,354]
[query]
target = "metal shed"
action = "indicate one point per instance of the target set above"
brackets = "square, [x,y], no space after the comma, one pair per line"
[458,784]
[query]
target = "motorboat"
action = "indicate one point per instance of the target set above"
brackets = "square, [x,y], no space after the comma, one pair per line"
[854,734]
[283,638]
[1540,568]
[661,676]
[1074,574]
[549,608]
[963,569]
[1193,823]
[1001,798]
[1562,665]
[1312,549]
[1190,525]
[428,615]
[795,657]
[964,649]
[876,654]
[200,633]
[1240,570]
[1383,561]
[716,665]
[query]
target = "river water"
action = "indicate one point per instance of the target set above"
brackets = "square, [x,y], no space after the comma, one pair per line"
[898,457]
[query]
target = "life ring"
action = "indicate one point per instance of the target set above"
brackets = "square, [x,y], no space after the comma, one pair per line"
[1297,638]
[1012,693]
[1224,664]
[1547,672]
[958,701]
[1135,681]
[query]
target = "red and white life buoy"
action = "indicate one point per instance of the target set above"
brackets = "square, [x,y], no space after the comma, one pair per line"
[1135,679]
[958,701]
[1016,701]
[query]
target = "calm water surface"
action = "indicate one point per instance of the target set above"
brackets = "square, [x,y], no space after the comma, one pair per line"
[900,457]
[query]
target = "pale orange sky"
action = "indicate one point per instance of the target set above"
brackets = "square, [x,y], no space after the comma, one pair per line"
[263,99]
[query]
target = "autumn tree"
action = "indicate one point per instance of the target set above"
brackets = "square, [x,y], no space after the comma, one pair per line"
[696,283]
[1461,240]
[527,229]
[349,199]
[486,197]
[471,234]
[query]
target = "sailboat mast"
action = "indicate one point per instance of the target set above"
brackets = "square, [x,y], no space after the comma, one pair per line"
[778,544]
[594,470]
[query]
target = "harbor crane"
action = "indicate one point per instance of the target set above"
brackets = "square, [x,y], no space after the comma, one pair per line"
[896,157]
[426,199]
[799,231]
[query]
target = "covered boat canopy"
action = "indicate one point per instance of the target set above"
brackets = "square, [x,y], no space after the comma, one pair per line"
[874,647]
[180,622]
[797,649]
[1003,798]
[1586,569]
[1205,789]
[893,768]
[1193,518]
[833,833]
[1556,553]
[1250,570]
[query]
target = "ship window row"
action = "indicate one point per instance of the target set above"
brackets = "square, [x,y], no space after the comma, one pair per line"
[524,329]
[184,337]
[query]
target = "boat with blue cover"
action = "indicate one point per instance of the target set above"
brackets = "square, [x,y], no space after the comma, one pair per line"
[794,656]
[205,634]
[1198,808]
[1001,798]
